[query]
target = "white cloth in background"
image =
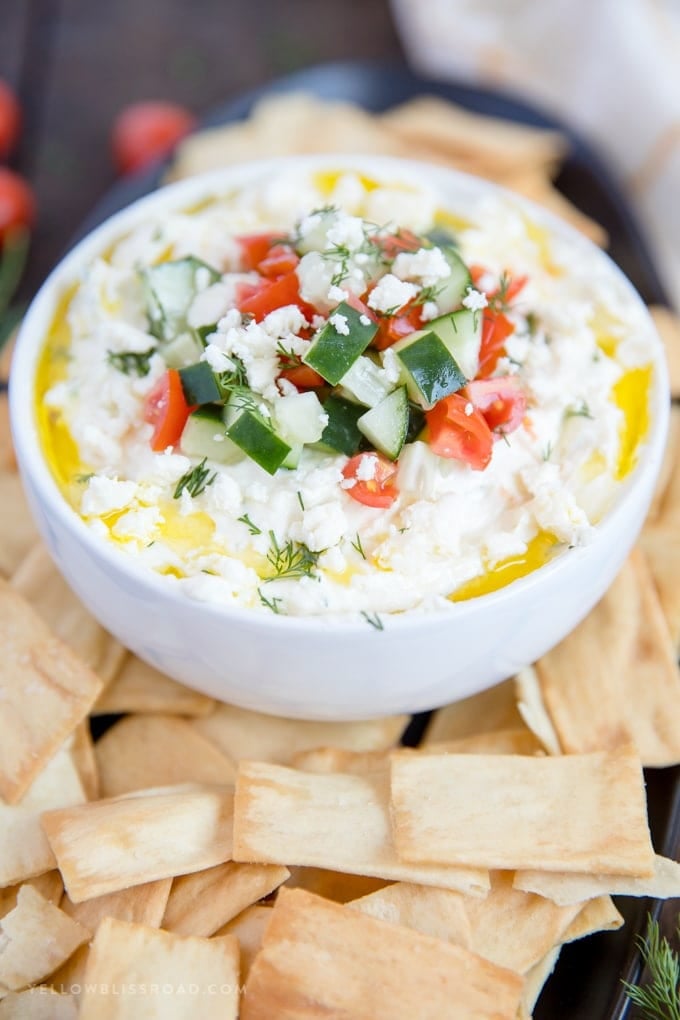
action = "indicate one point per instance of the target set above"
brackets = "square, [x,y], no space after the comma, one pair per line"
[609,68]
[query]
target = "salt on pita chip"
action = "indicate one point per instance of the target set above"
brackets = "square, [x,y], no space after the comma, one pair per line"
[440,913]
[112,844]
[670,459]
[40,583]
[35,938]
[45,691]
[532,709]
[659,539]
[139,687]
[493,709]
[334,885]
[240,733]
[24,849]
[49,885]
[141,751]
[201,903]
[598,914]
[40,1003]
[615,677]
[580,813]
[379,971]
[18,533]
[536,978]
[564,888]
[336,821]
[81,749]
[249,928]
[667,323]
[126,955]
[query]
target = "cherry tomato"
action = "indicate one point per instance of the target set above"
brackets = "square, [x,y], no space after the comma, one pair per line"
[391,245]
[273,294]
[380,489]
[501,401]
[407,320]
[17,203]
[454,433]
[304,377]
[146,131]
[280,259]
[496,328]
[10,120]
[255,248]
[167,410]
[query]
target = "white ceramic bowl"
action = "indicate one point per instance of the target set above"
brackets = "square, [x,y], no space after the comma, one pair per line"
[314,667]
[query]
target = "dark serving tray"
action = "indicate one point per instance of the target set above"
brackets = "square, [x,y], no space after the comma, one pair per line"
[586,984]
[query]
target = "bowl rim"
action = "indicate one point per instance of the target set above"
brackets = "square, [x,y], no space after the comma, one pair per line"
[31,338]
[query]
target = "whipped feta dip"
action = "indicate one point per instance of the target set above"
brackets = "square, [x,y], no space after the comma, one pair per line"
[298,538]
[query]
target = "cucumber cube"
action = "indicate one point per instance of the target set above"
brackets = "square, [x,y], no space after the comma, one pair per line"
[341,434]
[252,435]
[199,384]
[430,371]
[385,425]
[333,351]
[462,333]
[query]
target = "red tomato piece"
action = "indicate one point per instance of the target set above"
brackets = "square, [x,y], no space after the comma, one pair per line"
[146,131]
[496,328]
[407,320]
[378,491]
[454,433]
[255,248]
[405,240]
[501,401]
[17,204]
[275,294]
[167,410]
[10,120]
[360,306]
[280,260]
[304,377]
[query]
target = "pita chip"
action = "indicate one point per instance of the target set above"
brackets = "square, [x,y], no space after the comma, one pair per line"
[201,903]
[139,687]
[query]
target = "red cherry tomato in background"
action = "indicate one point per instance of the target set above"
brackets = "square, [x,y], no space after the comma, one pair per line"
[146,131]
[454,433]
[167,410]
[17,203]
[10,120]
[380,490]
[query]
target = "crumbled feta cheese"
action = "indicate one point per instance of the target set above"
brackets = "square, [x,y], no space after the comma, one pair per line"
[347,232]
[209,305]
[391,366]
[475,300]
[428,265]
[284,321]
[390,292]
[103,495]
[336,293]
[315,274]
[217,359]
[469,408]
[340,324]
[367,468]
[429,311]
[364,320]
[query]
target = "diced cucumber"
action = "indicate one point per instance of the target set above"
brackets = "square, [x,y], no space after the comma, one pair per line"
[429,369]
[341,434]
[203,332]
[205,435]
[247,428]
[386,424]
[184,350]
[199,384]
[365,382]
[455,285]
[333,351]
[299,418]
[170,287]
[293,458]
[315,238]
[461,331]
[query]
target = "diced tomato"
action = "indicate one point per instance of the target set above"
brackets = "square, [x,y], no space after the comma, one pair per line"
[496,328]
[304,377]
[360,306]
[501,401]
[391,245]
[255,248]
[454,433]
[407,320]
[274,294]
[514,285]
[380,490]
[280,259]
[167,410]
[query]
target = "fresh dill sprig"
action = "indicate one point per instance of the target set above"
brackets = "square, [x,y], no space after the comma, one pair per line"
[131,362]
[274,603]
[287,358]
[252,528]
[301,501]
[235,377]
[547,453]
[373,619]
[659,997]
[195,481]
[292,560]
[578,410]
[498,301]
[358,546]
[426,294]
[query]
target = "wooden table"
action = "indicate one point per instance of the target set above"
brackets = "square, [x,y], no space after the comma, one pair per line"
[76,63]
